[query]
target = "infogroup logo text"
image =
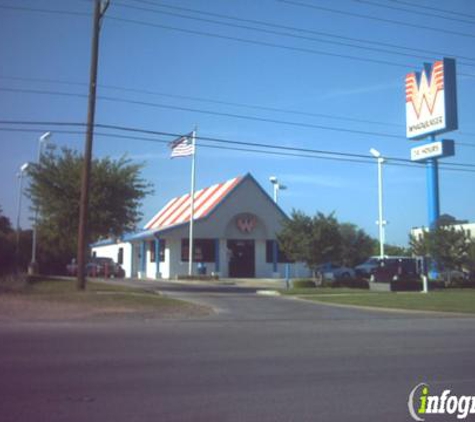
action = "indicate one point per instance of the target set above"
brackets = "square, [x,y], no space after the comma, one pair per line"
[421,403]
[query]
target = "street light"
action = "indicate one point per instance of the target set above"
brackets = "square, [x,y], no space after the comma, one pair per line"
[33,267]
[20,175]
[277,187]
[275,248]
[381,223]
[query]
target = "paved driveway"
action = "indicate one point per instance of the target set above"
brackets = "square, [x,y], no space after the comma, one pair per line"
[257,359]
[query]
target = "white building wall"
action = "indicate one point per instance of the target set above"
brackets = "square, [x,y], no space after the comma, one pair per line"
[223,259]
[150,267]
[112,251]
[469,228]
[263,269]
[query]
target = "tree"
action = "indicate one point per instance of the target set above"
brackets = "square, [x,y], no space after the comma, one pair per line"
[446,245]
[7,244]
[449,220]
[394,250]
[312,240]
[449,247]
[356,245]
[116,192]
[294,238]
[471,256]
[5,224]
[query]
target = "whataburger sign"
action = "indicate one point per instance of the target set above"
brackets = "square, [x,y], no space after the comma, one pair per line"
[444,148]
[431,100]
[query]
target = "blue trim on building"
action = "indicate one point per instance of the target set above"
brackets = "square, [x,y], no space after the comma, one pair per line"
[143,258]
[104,242]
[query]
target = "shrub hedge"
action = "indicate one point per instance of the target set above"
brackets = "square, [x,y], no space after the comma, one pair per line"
[303,283]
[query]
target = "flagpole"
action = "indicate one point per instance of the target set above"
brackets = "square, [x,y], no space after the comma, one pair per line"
[192,206]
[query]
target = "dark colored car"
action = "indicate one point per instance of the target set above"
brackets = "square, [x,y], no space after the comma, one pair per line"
[98,267]
[396,269]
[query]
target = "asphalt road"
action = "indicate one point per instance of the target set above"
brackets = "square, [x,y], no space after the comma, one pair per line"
[257,359]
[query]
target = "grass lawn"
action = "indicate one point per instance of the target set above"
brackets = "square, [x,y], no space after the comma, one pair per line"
[453,300]
[58,299]
[97,294]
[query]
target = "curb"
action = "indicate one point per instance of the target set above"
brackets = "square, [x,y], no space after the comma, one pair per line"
[268,293]
[387,310]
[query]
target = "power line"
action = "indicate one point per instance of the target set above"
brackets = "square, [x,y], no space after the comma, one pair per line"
[280,33]
[270,146]
[269,44]
[425,13]
[208,112]
[296,29]
[218,113]
[242,40]
[206,100]
[264,148]
[374,18]
[418,6]
[261,43]
[50,11]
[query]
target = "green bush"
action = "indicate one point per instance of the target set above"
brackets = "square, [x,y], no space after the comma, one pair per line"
[460,283]
[406,286]
[303,283]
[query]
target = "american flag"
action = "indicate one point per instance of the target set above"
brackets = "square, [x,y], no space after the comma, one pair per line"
[183,146]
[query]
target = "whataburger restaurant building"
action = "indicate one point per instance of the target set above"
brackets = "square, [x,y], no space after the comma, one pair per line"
[235,226]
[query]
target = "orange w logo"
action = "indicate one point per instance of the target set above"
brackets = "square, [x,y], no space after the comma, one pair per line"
[246,224]
[425,92]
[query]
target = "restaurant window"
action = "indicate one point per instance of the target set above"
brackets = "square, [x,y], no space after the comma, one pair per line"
[204,250]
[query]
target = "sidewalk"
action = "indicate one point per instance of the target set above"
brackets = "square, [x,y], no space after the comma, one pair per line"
[257,283]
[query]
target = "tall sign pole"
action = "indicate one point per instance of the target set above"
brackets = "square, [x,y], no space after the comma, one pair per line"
[431,109]
[99,10]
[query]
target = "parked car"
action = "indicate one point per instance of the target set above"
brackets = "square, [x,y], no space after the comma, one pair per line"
[367,268]
[98,267]
[454,277]
[396,269]
[373,264]
[331,271]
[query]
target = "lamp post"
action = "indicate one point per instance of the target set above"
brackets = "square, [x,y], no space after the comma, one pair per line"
[381,223]
[277,186]
[33,267]
[20,175]
[275,248]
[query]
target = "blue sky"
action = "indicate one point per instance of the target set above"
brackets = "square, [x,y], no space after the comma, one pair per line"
[200,71]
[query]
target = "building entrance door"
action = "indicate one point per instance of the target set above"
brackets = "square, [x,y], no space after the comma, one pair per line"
[242,261]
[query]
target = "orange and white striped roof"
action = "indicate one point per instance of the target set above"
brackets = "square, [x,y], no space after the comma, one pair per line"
[178,210]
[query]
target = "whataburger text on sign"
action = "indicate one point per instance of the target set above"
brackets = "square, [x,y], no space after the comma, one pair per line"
[431,100]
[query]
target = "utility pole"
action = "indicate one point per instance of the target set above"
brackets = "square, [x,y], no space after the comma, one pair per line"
[99,11]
